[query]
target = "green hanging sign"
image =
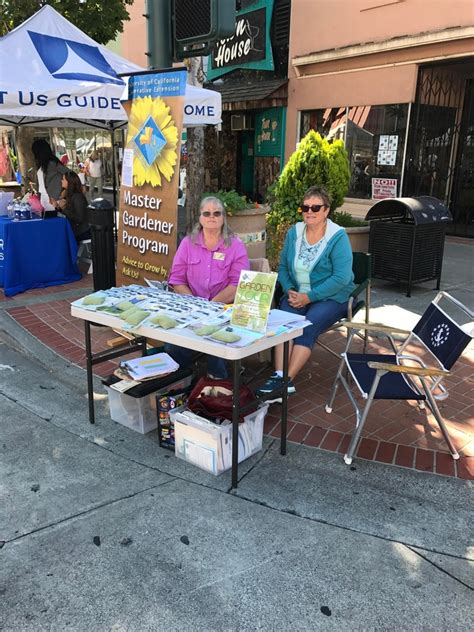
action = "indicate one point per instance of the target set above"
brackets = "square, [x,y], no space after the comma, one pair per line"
[249,47]
[270,132]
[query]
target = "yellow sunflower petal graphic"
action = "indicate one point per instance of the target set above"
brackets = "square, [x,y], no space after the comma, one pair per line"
[153,136]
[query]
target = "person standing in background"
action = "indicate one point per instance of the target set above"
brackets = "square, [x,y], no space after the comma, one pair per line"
[94,172]
[49,174]
[82,176]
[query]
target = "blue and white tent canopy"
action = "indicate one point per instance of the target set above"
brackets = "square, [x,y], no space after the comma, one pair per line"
[53,74]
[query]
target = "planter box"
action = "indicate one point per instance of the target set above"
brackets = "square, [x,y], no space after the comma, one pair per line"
[250,226]
[359,238]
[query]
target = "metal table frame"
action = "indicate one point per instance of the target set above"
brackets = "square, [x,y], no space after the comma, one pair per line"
[232,354]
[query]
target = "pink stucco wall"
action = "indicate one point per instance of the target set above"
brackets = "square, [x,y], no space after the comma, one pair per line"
[133,41]
[323,24]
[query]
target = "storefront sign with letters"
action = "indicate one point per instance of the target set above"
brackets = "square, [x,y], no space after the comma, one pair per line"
[249,47]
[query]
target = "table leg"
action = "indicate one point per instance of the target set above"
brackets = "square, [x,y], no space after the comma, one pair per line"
[235,423]
[284,403]
[90,385]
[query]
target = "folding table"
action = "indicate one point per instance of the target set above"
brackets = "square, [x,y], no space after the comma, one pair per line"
[186,338]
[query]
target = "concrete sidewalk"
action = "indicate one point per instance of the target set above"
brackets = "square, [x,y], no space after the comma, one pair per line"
[102,530]
[396,432]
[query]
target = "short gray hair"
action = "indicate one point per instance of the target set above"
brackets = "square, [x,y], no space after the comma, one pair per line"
[226,231]
[318,192]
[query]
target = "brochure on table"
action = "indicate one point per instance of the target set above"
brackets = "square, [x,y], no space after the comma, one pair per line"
[253,300]
[137,306]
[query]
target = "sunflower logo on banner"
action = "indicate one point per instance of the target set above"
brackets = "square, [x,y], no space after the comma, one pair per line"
[155,140]
[150,175]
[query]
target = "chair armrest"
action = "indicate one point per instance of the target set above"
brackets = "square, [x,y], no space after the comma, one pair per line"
[360,287]
[409,370]
[374,327]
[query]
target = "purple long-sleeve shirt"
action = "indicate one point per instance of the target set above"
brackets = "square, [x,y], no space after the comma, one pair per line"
[208,272]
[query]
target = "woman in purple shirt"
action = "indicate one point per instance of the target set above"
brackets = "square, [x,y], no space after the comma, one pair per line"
[208,264]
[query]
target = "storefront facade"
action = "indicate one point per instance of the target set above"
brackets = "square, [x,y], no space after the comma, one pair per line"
[250,72]
[396,84]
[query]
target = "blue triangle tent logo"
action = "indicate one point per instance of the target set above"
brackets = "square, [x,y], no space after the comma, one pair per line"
[66,59]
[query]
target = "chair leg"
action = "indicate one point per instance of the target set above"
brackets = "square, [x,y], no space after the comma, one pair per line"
[335,386]
[439,419]
[356,436]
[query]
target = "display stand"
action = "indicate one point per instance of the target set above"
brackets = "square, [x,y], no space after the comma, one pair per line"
[186,338]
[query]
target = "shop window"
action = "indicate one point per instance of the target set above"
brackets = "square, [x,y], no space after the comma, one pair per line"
[375,139]
[328,122]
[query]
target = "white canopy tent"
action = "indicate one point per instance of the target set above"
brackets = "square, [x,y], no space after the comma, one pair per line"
[54,75]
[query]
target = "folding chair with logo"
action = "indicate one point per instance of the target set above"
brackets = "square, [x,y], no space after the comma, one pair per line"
[403,375]
[362,268]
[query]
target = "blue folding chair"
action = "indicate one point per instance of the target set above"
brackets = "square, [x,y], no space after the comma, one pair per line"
[387,376]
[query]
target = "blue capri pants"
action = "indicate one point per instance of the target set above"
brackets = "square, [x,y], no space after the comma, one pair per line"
[322,314]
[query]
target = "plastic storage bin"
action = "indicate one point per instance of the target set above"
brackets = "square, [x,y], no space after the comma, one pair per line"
[136,408]
[209,446]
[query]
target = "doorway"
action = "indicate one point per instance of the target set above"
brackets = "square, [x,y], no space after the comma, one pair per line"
[441,146]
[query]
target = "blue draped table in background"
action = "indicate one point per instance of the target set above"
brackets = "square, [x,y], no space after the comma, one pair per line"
[37,253]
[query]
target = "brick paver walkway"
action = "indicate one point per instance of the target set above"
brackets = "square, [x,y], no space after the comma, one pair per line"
[395,432]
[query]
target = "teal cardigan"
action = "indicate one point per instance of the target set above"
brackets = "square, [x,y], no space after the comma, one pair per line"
[331,276]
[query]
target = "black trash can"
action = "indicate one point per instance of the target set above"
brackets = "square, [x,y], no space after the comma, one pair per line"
[101,220]
[406,239]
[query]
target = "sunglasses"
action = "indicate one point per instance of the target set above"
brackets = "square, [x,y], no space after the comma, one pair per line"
[314,208]
[211,213]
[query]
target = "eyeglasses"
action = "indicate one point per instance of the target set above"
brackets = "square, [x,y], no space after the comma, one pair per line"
[211,213]
[314,208]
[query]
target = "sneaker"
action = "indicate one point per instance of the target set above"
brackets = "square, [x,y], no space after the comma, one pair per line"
[273,384]
[215,377]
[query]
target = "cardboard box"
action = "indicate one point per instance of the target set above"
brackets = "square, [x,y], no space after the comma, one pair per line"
[209,446]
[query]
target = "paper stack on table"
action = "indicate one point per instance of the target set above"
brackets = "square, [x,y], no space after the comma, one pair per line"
[149,367]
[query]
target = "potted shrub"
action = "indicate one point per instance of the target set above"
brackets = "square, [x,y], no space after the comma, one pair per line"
[316,162]
[247,219]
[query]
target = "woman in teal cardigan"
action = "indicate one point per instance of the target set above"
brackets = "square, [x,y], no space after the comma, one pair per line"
[315,273]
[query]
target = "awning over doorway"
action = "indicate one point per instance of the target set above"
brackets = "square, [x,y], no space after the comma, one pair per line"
[254,94]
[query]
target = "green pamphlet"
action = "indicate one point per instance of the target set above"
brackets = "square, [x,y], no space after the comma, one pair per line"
[253,300]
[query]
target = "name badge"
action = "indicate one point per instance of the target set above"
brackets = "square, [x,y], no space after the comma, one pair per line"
[219,256]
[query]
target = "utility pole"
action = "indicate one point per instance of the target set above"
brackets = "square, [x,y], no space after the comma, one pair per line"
[160,50]
[195,167]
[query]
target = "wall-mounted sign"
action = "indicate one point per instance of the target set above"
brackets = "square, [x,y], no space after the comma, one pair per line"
[269,132]
[384,188]
[150,176]
[249,47]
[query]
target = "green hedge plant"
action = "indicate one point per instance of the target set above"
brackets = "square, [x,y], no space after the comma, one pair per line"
[316,162]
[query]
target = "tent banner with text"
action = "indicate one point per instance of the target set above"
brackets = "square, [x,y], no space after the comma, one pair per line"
[147,232]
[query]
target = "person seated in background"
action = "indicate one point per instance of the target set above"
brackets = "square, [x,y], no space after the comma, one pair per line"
[208,263]
[315,273]
[73,204]
[49,175]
